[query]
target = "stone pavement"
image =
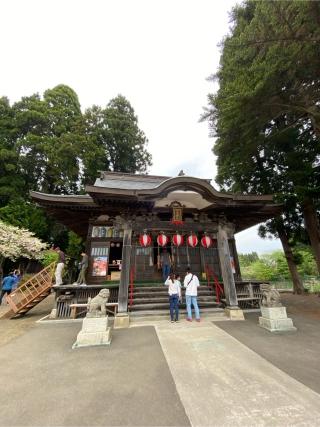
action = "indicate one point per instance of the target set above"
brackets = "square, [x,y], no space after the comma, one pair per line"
[221,382]
[158,375]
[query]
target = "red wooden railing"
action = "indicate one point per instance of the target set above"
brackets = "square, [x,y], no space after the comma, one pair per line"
[131,285]
[218,287]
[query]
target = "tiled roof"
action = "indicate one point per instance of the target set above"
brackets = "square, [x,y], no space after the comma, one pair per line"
[127,181]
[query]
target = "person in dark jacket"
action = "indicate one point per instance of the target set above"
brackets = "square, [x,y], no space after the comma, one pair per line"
[7,284]
[83,269]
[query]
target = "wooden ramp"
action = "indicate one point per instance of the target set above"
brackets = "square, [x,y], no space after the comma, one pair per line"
[30,293]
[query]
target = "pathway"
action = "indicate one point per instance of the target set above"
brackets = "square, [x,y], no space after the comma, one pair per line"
[221,382]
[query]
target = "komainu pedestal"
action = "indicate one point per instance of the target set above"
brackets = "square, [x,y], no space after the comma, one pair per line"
[95,331]
[274,315]
[275,319]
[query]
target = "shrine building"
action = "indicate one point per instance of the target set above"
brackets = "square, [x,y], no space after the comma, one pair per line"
[128,220]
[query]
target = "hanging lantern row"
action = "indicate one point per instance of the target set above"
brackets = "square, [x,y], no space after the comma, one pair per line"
[206,242]
[162,240]
[192,240]
[177,240]
[145,240]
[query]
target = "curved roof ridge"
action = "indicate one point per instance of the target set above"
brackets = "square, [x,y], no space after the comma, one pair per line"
[185,180]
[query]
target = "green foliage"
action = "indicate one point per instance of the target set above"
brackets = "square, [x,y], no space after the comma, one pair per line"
[274,265]
[11,182]
[47,144]
[258,270]
[24,214]
[247,259]
[267,267]
[75,245]
[48,257]
[305,261]
[114,140]
[266,114]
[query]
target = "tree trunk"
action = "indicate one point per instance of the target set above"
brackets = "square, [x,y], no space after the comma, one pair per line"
[312,226]
[296,280]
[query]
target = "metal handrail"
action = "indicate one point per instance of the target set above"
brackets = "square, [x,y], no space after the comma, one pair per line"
[218,287]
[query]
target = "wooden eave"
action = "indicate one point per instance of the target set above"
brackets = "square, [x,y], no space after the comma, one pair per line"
[243,210]
[45,199]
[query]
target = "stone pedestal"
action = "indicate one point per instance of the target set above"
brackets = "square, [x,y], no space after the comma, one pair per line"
[121,320]
[275,319]
[53,314]
[95,331]
[234,313]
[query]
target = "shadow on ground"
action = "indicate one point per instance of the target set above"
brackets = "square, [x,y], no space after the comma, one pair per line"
[49,384]
[296,353]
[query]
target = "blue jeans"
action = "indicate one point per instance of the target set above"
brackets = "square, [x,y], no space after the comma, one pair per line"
[192,300]
[174,306]
[165,271]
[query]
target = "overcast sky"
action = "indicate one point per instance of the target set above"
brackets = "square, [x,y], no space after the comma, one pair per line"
[158,54]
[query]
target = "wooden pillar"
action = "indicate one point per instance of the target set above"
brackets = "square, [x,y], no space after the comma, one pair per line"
[125,270]
[236,260]
[203,261]
[226,271]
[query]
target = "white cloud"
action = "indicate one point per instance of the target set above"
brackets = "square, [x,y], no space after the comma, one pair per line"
[248,241]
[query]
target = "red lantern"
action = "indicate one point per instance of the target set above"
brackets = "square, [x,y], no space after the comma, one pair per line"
[145,240]
[162,240]
[206,242]
[177,240]
[192,240]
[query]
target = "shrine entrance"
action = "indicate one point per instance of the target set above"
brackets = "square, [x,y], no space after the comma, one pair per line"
[146,261]
[136,212]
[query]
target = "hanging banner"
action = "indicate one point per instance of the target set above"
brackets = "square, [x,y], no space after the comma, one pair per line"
[206,242]
[145,240]
[192,241]
[162,240]
[177,239]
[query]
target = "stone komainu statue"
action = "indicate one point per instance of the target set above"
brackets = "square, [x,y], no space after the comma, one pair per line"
[97,305]
[270,296]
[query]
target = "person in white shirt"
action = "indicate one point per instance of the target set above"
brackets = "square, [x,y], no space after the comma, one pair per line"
[174,290]
[191,283]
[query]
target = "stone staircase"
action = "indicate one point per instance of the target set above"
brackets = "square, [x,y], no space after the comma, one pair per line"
[154,301]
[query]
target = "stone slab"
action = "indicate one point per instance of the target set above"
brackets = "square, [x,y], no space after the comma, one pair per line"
[234,314]
[86,339]
[121,320]
[274,312]
[95,324]
[223,383]
[277,325]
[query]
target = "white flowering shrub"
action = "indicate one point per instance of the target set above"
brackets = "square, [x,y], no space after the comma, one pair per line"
[17,243]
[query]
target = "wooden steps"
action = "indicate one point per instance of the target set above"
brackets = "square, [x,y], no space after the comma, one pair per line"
[35,290]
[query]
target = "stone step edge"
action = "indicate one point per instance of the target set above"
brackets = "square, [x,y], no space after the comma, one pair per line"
[159,312]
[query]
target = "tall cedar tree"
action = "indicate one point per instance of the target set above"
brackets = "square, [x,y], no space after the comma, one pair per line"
[47,144]
[269,86]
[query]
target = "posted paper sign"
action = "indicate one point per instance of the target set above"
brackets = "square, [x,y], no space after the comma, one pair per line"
[100,266]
